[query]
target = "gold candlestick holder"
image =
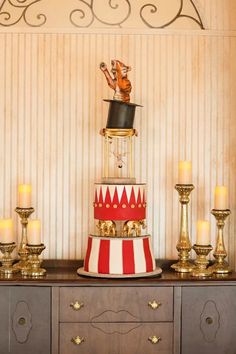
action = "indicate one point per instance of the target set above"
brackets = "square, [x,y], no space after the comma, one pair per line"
[24,214]
[220,266]
[34,263]
[7,260]
[201,262]
[184,245]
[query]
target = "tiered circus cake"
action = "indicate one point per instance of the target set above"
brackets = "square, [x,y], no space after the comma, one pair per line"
[120,246]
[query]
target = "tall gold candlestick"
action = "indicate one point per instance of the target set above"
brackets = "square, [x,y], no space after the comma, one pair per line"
[220,266]
[184,245]
[24,214]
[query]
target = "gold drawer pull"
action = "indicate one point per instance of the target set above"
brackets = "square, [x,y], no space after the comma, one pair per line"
[76,305]
[154,305]
[77,340]
[154,339]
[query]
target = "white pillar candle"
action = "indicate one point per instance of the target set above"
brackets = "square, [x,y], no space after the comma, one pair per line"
[203,233]
[34,232]
[221,198]
[185,172]
[6,231]
[24,196]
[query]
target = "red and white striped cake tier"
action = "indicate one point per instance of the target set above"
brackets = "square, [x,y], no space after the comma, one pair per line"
[113,255]
[120,201]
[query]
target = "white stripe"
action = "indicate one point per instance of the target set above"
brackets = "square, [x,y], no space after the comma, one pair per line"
[93,260]
[120,189]
[104,190]
[139,257]
[136,188]
[116,259]
[112,190]
[128,191]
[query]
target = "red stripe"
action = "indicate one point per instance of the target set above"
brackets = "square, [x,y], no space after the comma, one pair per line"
[104,255]
[148,256]
[86,261]
[128,257]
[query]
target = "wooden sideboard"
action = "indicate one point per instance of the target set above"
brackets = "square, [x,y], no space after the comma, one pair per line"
[63,313]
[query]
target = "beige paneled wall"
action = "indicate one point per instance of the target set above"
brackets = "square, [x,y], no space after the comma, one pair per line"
[51,110]
[218,14]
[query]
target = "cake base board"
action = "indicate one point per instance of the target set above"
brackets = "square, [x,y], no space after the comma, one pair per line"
[154,273]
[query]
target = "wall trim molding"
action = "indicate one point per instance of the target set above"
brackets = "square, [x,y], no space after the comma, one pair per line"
[160,32]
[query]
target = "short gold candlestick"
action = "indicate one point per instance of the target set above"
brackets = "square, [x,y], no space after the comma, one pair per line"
[220,266]
[201,262]
[34,263]
[7,260]
[24,214]
[184,245]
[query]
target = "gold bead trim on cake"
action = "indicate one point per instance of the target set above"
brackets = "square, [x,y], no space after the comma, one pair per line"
[115,206]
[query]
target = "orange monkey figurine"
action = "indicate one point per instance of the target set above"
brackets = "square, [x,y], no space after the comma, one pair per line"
[120,82]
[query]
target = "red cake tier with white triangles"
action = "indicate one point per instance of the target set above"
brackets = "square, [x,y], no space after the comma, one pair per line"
[120,201]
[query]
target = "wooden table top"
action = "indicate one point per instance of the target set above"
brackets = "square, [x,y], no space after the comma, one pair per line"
[63,273]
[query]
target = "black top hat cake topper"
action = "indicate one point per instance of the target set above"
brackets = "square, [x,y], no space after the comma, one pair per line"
[121,111]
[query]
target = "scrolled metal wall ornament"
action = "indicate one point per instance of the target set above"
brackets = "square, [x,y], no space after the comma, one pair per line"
[13,11]
[102,11]
[153,9]
[115,13]
[85,13]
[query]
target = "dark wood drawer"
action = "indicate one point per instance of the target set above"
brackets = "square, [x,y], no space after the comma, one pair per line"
[113,304]
[116,338]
